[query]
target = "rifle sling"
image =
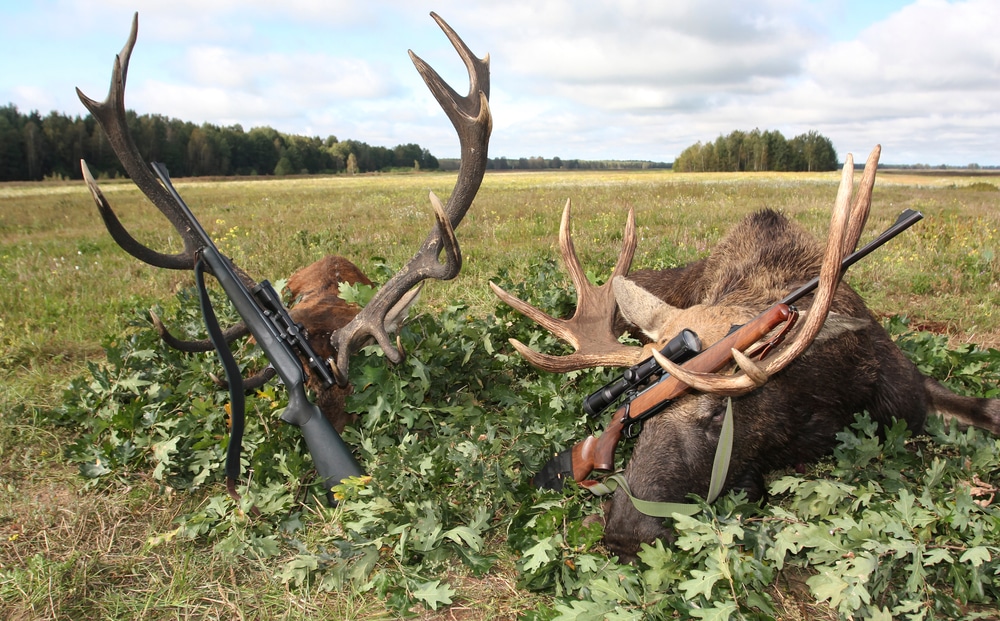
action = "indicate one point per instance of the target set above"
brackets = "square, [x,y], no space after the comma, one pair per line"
[720,471]
[237,400]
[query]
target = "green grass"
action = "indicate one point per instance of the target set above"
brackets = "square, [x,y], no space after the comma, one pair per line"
[75,551]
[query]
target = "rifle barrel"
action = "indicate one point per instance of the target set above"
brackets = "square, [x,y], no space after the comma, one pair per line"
[905,220]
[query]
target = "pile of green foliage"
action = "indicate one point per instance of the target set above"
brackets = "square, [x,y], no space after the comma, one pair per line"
[889,527]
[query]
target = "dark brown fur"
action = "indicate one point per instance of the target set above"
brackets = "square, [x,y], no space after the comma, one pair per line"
[853,366]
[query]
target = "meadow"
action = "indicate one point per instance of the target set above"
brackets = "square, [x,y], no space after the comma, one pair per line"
[130,545]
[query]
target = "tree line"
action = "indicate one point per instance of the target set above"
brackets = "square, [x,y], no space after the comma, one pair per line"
[33,147]
[759,151]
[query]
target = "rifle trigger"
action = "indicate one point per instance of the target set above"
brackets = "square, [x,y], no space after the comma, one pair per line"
[633,429]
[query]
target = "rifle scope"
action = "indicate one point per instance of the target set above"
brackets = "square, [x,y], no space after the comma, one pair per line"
[680,348]
[291,332]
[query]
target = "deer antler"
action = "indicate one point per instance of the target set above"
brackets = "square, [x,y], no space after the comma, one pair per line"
[846,225]
[590,330]
[110,114]
[472,120]
[471,117]
[228,335]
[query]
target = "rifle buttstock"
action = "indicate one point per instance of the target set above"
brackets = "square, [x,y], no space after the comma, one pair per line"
[333,459]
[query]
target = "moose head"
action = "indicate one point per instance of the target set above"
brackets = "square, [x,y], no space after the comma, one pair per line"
[787,411]
[336,330]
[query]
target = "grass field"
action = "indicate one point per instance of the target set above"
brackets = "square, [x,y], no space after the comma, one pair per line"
[73,551]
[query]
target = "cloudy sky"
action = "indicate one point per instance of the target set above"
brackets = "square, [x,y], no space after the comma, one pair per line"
[615,79]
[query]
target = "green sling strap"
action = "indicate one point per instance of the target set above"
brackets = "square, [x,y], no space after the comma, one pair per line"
[720,470]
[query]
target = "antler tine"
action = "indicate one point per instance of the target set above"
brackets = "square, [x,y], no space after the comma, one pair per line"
[110,114]
[589,331]
[473,122]
[228,335]
[470,116]
[845,231]
[863,200]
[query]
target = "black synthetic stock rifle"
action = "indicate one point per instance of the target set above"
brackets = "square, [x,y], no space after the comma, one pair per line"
[597,452]
[283,341]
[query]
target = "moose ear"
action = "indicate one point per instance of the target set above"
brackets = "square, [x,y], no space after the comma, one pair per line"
[837,324]
[643,309]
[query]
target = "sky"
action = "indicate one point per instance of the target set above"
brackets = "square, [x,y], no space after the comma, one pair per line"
[594,79]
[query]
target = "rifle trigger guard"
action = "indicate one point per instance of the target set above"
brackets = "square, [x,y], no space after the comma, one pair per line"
[630,428]
[633,429]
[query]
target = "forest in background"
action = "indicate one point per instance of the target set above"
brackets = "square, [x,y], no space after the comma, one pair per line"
[759,151]
[556,163]
[33,147]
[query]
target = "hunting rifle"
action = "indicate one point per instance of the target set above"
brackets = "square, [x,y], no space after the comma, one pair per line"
[283,341]
[598,453]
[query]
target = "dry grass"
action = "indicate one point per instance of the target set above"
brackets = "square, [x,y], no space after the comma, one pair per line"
[67,552]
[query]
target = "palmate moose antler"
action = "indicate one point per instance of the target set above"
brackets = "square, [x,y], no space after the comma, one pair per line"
[471,117]
[589,330]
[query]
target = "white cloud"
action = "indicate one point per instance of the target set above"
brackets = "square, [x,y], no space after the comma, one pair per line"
[605,78]
[670,70]
[929,46]
[303,77]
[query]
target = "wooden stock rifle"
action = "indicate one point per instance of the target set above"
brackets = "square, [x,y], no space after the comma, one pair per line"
[598,453]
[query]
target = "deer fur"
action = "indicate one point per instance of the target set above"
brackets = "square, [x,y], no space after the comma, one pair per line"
[317,305]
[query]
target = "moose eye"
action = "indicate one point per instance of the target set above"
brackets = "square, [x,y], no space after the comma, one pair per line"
[712,415]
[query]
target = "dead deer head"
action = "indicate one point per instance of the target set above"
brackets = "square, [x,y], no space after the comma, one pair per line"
[344,329]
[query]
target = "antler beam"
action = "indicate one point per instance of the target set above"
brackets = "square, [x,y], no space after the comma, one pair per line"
[110,114]
[471,117]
